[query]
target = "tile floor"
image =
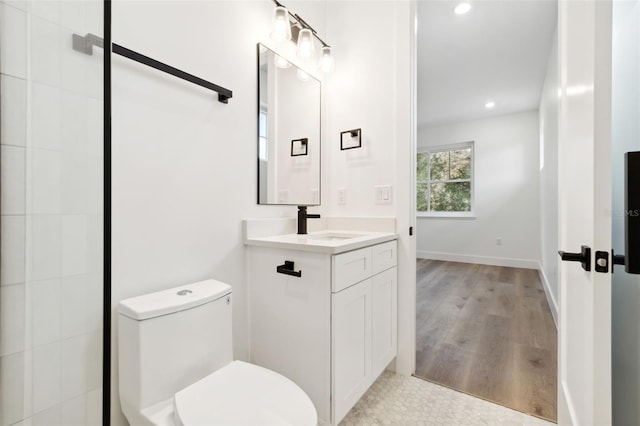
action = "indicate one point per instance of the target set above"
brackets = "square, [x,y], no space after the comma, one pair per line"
[400,400]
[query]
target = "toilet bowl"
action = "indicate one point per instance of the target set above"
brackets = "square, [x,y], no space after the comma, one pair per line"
[176,365]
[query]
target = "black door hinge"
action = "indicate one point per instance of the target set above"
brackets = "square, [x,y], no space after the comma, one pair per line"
[411,230]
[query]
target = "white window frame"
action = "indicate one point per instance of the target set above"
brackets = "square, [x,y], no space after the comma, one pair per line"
[449,215]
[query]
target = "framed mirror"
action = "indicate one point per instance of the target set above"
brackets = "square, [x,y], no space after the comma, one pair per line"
[288,132]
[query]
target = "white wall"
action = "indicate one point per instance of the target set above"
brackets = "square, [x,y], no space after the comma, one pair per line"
[184,165]
[549,179]
[625,309]
[506,194]
[370,89]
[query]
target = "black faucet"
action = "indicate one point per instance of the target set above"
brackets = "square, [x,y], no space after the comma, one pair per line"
[302,219]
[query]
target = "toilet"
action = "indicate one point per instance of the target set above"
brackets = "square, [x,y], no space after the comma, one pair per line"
[176,365]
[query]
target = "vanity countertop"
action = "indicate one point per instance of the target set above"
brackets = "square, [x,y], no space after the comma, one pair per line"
[327,241]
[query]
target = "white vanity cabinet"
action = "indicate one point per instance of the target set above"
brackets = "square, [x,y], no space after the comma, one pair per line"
[332,330]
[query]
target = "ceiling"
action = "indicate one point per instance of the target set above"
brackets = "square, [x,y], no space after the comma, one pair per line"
[497,51]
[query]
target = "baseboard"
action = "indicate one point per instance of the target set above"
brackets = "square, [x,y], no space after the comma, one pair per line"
[482,260]
[551,300]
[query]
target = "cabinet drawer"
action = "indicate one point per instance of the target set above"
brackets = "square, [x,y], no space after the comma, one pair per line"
[384,256]
[350,268]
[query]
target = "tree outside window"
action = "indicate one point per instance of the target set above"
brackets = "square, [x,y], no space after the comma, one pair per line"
[444,179]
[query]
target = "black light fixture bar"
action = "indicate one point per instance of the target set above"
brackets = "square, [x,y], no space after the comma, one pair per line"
[302,23]
[85,45]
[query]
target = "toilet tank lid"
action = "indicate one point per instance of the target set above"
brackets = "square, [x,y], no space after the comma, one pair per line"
[173,300]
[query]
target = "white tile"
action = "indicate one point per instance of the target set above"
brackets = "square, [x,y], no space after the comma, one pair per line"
[46,49]
[74,122]
[12,180]
[12,244]
[94,360]
[18,4]
[13,41]
[94,408]
[399,400]
[46,311]
[94,298]
[45,248]
[11,388]
[11,319]
[73,412]
[46,116]
[75,306]
[95,186]
[46,376]
[49,417]
[73,15]
[46,178]
[75,354]
[13,110]
[46,9]
[95,127]
[75,183]
[95,17]
[74,244]
[95,243]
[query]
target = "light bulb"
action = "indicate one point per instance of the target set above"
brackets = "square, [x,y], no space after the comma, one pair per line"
[281,26]
[489,104]
[305,43]
[282,62]
[303,76]
[326,60]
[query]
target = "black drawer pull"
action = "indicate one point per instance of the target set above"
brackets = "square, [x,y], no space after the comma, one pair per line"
[287,269]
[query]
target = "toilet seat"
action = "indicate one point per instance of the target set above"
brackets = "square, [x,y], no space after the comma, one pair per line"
[243,394]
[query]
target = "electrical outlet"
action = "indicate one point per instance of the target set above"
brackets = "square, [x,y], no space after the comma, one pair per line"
[499,241]
[342,196]
[315,196]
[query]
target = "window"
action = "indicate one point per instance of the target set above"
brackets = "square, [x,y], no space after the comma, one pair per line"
[445,180]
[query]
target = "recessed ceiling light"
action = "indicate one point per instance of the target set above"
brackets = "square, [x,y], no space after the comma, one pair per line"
[462,8]
[489,104]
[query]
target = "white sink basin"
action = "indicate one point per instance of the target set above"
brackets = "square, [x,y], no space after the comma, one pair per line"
[334,236]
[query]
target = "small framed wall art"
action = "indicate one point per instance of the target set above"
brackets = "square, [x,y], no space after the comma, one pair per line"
[351,139]
[299,147]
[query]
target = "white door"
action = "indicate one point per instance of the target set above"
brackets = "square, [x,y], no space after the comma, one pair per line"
[584,382]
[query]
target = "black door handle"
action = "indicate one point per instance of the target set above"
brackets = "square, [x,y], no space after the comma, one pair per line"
[583,257]
[631,258]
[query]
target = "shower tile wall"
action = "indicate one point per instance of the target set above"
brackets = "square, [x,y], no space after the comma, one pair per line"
[51,214]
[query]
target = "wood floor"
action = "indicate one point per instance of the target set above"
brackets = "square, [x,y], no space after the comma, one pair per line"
[487,331]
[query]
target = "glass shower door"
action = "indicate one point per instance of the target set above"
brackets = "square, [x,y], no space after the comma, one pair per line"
[51,207]
[625,312]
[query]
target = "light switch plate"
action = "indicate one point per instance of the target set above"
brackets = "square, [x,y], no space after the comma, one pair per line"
[383,194]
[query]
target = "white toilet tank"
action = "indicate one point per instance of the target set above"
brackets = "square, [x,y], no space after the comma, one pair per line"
[171,339]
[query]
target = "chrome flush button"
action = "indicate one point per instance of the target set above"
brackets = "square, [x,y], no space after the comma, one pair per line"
[184,292]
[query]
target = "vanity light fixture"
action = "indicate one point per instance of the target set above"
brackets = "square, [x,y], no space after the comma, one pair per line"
[462,8]
[326,59]
[489,104]
[290,26]
[305,44]
[281,27]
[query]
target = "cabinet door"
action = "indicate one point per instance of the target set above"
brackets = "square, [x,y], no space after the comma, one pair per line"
[384,318]
[290,320]
[351,338]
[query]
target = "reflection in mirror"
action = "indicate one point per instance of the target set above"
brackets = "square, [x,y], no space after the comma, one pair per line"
[288,132]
